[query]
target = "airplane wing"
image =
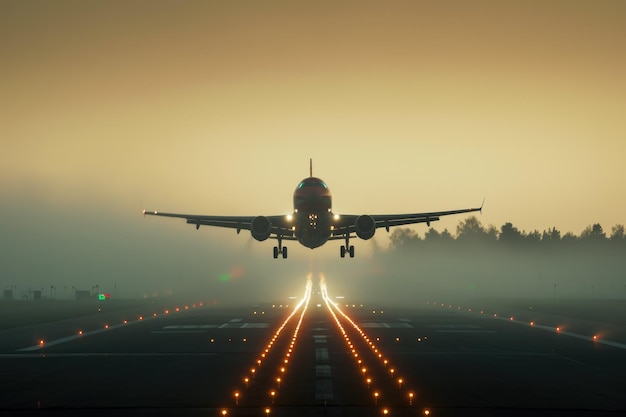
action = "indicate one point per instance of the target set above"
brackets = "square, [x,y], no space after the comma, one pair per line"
[280,225]
[346,223]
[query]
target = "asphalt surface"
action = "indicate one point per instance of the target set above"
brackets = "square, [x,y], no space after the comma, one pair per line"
[149,357]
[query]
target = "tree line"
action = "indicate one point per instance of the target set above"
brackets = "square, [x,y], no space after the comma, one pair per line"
[471,231]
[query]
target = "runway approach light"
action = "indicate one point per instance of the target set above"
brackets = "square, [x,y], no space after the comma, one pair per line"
[102,297]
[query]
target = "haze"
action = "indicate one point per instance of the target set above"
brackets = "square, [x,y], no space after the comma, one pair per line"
[215,108]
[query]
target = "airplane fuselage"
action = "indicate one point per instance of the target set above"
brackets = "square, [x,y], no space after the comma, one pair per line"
[312,212]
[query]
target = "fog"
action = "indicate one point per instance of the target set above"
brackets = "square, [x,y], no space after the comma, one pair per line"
[485,263]
[58,247]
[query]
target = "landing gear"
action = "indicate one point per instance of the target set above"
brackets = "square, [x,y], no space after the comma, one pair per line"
[280,249]
[347,248]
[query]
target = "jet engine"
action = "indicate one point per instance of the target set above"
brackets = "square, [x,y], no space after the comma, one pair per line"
[365,226]
[261,228]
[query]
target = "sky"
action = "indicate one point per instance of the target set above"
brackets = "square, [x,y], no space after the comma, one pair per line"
[215,107]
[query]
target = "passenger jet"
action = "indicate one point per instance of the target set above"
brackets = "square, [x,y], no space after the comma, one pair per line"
[312,222]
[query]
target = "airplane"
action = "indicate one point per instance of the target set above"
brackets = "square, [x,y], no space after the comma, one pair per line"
[313,222]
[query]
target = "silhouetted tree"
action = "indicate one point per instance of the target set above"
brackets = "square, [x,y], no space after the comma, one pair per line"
[569,238]
[470,228]
[617,234]
[403,237]
[509,234]
[533,237]
[432,235]
[593,233]
[551,236]
[446,236]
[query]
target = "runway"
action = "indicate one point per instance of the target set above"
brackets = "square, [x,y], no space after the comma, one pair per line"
[317,356]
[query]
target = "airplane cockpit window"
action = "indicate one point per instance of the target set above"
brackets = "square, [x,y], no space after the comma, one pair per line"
[312,182]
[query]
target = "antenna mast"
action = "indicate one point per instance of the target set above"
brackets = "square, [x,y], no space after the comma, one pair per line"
[310,167]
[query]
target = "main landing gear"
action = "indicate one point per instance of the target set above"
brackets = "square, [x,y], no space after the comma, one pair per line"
[280,249]
[347,248]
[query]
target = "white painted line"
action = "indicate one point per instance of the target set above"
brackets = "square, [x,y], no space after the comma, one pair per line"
[378,325]
[565,333]
[321,354]
[48,343]
[190,326]
[323,389]
[322,370]
[99,354]
[464,331]
[177,331]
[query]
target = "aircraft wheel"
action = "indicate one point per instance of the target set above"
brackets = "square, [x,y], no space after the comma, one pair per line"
[351,251]
[342,251]
[275,252]
[284,252]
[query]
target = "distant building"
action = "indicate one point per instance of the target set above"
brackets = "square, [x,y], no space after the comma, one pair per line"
[8,295]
